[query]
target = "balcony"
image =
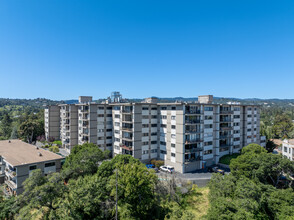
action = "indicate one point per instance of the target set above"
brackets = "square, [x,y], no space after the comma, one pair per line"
[227,128]
[129,148]
[193,150]
[226,112]
[225,136]
[225,145]
[225,120]
[127,129]
[193,112]
[193,121]
[198,158]
[193,141]
[12,185]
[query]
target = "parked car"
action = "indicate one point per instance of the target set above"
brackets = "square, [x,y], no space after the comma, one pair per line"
[217,170]
[151,166]
[168,169]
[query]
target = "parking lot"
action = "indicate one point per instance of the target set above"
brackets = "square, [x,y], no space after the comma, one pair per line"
[198,177]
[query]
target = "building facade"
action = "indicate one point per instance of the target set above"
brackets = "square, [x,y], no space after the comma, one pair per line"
[188,136]
[288,149]
[18,159]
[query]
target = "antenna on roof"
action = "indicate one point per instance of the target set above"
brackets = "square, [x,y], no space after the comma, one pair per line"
[9,141]
[40,154]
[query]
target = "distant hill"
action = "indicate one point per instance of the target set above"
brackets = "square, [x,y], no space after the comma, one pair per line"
[40,102]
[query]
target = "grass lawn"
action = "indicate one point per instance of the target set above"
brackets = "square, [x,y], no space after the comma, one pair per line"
[198,203]
[227,158]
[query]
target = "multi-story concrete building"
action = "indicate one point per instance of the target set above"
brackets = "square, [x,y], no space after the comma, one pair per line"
[188,136]
[18,159]
[52,122]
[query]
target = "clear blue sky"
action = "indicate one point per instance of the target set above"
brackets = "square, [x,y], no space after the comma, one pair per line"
[60,49]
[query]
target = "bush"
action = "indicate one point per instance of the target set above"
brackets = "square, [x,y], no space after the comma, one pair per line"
[59,143]
[54,149]
[157,163]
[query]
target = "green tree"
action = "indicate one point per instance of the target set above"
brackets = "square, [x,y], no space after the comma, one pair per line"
[283,126]
[83,160]
[54,149]
[5,126]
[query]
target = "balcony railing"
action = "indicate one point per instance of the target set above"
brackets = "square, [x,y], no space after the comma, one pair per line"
[193,112]
[198,158]
[227,128]
[193,121]
[193,141]
[193,150]
[226,120]
[225,136]
[129,148]
[11,184]
[226,112]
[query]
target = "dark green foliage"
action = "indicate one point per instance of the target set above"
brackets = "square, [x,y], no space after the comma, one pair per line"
[226,159]
[254,189]
[83,160]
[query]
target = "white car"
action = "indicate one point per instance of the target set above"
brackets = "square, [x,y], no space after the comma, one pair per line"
[168,169]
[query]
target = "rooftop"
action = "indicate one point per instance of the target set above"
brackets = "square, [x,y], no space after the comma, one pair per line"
[19,153]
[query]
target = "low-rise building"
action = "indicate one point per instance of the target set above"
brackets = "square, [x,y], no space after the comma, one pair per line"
[18,159]
[288,149]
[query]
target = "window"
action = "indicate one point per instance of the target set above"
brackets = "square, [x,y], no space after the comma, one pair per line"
[116,131]
[50,164]
[154,108]
[163,152]
[208,143]
[145,152]
[236,131]
[109,108]
[236,116]
[173,108]
[236,108]
[163,108]
[153,116]
[145,116]
[237,139]
[100,130]
[101,108]
[116,108]
[108,130]
[173,136]
[108,145]
[145,125]
[145,108]
[145,143]
[116,139]
[154,134]
[154,151]
[109,137]
[249,116]
[153,142]
[163,125]
[248,130]
[109,115]
[173,145]
[117,116]
[173,154]
[100,116]
[173,127]
[173,117]
[208,108]
[285,149]
[153,125]
[249,109]
[145,134]
[163,143]
[208,126]
[207,152]
[208,117]
[33,167]
[100,138]
[163,116]
[236,124]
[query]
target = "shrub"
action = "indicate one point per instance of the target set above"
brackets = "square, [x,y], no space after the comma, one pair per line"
[54,149]
[157,163]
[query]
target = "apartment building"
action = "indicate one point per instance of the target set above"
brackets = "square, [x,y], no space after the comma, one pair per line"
[288,149]
[188,136]
[18,159]
[52,122]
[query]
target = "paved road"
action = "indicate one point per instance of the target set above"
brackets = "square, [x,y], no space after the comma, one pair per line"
[201,177]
